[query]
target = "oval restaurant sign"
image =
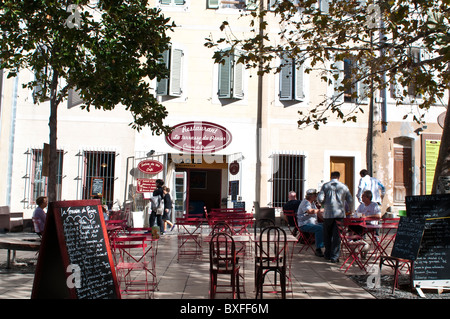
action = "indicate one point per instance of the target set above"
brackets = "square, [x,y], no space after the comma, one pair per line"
[199,137]
[150,166]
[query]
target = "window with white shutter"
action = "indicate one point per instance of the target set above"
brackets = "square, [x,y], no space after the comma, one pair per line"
[292,80]
[233,4]
[171,86]
[172,2]
[74,98]
[231,78]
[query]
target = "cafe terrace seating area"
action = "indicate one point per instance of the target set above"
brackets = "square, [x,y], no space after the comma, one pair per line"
[228,253]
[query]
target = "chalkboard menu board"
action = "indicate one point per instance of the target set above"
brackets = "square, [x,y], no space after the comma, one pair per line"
[75,259]
[97,186]
[408,238]
[431,266]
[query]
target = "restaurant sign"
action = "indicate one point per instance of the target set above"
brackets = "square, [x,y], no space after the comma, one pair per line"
[150,166]
[199,137]
[145,185]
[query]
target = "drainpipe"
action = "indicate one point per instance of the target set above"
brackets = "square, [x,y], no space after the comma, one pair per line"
[11,141]
[384,122]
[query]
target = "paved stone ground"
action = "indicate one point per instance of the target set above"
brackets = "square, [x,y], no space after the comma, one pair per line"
[405,291]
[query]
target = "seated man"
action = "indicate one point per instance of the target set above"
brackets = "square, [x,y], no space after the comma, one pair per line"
[367,209]
[307,219]
[291,204]
[39,215]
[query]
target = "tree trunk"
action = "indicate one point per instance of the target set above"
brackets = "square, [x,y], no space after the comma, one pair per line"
[441,182]
[53,157]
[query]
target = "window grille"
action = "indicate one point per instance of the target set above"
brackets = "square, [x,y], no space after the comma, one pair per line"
[35,182]
[97,175]
[288,171]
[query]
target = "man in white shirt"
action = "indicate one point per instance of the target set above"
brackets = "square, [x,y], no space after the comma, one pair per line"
[372,184]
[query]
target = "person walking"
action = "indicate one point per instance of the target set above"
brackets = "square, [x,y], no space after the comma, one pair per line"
[168,204]
[333,197]
[155,218]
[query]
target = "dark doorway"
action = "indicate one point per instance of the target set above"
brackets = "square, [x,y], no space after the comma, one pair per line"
[204,188]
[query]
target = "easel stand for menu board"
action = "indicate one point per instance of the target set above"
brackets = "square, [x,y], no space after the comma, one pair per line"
[75,260]
[434,259]
[431,269]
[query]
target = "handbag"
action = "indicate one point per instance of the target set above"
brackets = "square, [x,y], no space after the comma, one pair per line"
[157,204]
[160,208]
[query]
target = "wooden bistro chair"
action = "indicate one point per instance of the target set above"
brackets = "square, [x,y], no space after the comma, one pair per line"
[223,261]
[271,258]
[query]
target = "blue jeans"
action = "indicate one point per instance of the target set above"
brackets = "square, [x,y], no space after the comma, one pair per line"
[317,229]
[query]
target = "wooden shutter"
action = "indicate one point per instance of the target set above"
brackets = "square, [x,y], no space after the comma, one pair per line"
[339,73]
[225,78]
[176,59]
[74,99]
[163,85]
[402,174]
[286,79]
[251,4]
[238,79]
[362,88]
[299,88]
[324,6]
[213,4]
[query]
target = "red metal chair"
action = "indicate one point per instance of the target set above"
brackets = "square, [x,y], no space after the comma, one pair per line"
[135,273]
[351,243]
[271,258]
[306,239]
[223,261]
[397,264]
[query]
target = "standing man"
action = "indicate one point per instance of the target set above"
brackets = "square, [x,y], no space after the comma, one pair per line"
[372,184]
[333,196]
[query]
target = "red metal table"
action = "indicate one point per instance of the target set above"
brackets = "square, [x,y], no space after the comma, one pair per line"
[189,234]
